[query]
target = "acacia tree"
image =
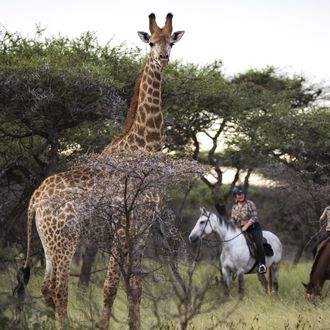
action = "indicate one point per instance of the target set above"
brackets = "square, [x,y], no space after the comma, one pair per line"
[119,212]
[268,123]
[240,113]
[291,133]
[58,98]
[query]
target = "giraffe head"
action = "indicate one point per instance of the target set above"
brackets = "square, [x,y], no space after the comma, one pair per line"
[161,40]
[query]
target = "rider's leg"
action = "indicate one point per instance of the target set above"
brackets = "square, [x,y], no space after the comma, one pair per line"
[255,231]
[322,236]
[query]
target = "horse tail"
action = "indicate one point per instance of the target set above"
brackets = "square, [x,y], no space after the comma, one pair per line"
[23,273]
[270,279]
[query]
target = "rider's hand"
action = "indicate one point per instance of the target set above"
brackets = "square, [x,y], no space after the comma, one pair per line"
[244,228]
[247,225]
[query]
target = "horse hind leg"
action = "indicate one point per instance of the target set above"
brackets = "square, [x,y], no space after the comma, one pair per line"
[263,281]
[274,270]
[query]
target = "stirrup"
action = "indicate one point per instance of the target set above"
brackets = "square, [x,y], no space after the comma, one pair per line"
[262,269]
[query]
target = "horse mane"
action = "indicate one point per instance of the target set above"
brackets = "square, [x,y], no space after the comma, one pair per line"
[319,253]
[226,222]
[131,115]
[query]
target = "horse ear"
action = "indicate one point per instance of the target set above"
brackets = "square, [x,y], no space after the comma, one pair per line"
[304,284]
[203,210]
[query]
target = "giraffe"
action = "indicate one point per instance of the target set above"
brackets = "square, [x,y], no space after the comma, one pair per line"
[143,130]
[58,225]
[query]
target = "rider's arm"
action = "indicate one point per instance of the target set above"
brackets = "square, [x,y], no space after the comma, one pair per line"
[247,225]
[323,217]
[324,214]
[233,217]
[254,216]
[254,213]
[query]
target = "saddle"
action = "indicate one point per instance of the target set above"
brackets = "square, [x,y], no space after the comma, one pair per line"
[253,247]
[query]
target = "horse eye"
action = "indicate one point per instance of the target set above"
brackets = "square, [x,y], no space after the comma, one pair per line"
[172,44]
[151,44]
[202,222]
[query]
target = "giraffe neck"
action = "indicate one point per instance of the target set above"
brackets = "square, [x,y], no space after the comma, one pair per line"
[144,123]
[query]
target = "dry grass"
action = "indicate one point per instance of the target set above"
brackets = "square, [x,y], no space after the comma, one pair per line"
[289,310]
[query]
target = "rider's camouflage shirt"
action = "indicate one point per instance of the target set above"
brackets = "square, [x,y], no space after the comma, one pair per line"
[241,215]
[325,219]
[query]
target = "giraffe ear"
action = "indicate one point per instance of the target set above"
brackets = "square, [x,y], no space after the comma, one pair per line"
[176,36]
[144,36]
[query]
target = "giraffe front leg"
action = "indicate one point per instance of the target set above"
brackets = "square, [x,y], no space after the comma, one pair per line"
[134,290]
[134,296]
[110,288]
[111,282]
[134,283]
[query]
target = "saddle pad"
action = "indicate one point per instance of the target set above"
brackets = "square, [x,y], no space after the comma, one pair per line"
[252,246]
[268,249]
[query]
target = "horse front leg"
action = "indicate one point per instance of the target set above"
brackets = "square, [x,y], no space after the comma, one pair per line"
[241,285]
[226,281]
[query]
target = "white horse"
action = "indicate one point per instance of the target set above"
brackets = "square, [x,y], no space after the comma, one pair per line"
[235,256]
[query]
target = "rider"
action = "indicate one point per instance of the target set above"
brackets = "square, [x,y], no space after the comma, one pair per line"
[244,215]
[324,228]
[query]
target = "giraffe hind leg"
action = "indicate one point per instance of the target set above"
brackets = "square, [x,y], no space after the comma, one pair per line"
[48,287]
[64,260]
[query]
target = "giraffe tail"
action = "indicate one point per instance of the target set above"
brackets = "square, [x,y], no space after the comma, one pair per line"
[23,273]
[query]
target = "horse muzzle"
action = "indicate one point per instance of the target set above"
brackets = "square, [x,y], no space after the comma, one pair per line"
[193,238]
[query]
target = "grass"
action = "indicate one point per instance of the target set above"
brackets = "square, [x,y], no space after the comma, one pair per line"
[289,310]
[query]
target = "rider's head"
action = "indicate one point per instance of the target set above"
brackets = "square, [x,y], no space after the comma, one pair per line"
[239,192]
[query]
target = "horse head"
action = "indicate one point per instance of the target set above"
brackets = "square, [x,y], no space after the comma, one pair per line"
[311,291]
[203,226]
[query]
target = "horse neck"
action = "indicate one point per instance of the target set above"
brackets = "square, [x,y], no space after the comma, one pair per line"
[318,273]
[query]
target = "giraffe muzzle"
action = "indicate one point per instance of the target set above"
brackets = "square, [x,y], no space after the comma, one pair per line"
[163,59]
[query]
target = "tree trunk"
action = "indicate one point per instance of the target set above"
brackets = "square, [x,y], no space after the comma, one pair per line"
[86,268]
[299,252]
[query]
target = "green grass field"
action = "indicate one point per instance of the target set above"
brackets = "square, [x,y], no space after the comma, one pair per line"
[160,305]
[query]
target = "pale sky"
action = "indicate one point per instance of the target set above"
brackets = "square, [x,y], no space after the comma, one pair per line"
[292,35]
